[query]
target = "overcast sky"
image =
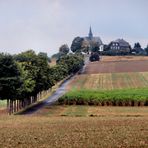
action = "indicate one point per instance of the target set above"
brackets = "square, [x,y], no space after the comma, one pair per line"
[43,25]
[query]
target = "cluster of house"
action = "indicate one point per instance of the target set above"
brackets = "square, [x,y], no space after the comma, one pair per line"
[119,46]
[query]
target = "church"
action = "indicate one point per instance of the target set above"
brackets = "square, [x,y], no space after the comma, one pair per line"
[90,41]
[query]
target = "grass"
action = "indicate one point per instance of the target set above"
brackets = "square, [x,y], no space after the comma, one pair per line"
[95,96]
[3,103]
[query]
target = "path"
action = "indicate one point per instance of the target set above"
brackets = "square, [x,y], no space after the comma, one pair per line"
[54,97]
[50,100]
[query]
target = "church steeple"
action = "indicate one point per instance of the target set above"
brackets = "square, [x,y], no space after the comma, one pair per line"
[90,35]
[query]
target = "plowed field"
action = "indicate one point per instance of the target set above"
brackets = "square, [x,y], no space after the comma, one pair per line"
[116,67]
[116,72]
[74,132]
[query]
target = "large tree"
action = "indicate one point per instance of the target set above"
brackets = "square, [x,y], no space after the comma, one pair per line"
[10,77]
[77,44]
[37,69]
[64,49]
[10,81]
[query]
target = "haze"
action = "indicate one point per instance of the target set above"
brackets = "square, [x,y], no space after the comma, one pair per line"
[43,25]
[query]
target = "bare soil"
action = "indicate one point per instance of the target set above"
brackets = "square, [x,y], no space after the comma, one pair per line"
[124,58]
[116,67]
[3,111]
[70,132]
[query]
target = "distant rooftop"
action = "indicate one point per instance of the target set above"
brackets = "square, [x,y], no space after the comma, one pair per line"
[122,42]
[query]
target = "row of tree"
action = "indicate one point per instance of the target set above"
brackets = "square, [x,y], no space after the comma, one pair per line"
[25,76]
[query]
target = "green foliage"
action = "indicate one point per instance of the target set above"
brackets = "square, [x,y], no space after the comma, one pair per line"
[146,49]
[57,55]
[73,62]
[58,73]
[10,77]
[3,103]
[77,44]
[26,74]
[64,49]
[104,95]
[44,55]
[35,72]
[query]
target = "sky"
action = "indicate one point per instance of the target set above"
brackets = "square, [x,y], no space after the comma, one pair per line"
[44,25]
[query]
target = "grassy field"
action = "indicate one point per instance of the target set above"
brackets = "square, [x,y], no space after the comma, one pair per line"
[3,104]
[83,126]
[109,81]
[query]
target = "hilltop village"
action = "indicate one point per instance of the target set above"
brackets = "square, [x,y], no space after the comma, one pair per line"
[93,43]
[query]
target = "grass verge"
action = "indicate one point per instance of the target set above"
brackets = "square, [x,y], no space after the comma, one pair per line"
[3,103]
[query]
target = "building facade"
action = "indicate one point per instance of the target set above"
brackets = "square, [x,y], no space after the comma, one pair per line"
[119,46]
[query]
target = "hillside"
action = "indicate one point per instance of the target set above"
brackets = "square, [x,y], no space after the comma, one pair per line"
[84,125]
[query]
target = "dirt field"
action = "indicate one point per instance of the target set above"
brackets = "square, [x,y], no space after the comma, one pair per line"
[116,67]
[124,58]
[91,111]
[82,127]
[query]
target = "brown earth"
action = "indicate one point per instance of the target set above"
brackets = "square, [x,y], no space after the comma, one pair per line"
[3,111]
[124,58]
[78,132]
[116,67]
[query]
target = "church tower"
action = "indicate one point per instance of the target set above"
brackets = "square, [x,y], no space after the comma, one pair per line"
[90,35]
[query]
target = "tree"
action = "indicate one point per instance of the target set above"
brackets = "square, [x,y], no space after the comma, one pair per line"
[146,49]
[77,44]
[44,54]
[10,80]
[36,69]
[137,45]
[64,49]
[74,62]
[58,73]
[94,57]
[95,49]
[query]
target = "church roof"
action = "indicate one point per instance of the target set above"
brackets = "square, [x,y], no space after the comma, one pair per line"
[94,39]
[97,39]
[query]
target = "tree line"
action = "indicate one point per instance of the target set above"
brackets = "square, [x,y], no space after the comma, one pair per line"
[25,76]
